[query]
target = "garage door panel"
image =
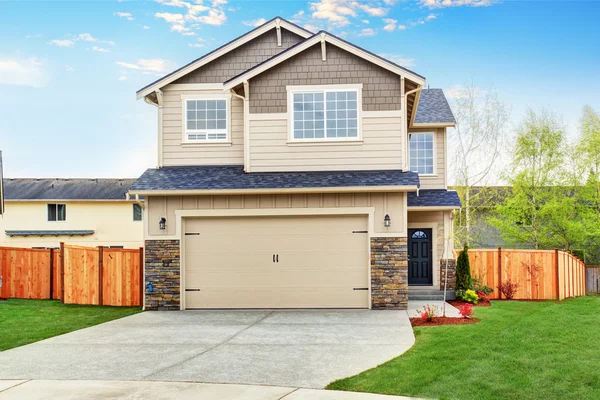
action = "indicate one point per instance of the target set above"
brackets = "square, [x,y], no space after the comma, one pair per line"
[229,264]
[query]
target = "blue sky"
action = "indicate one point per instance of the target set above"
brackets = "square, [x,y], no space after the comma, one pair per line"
[69,70]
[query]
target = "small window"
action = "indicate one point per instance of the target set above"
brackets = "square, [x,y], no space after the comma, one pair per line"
[419,235]
[327,115]
[137,212]
[421,153]
[57,212]
[206,120]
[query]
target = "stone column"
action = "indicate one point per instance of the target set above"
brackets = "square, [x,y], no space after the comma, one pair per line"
[389,273]
[451,274]
[162,268]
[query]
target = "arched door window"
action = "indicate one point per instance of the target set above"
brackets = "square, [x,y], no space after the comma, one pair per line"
[419,235]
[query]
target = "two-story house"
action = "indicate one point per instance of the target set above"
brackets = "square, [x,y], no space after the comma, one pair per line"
[295,170]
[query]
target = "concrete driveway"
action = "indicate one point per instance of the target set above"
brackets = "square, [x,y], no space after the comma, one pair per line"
[284,348]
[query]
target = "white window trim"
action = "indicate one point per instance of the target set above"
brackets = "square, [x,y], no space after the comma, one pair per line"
[57,220]
[133,213]
[433,155]
[207,96]
[292,89]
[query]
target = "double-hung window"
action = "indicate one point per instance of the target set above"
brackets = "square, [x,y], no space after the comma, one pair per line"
[421,153]
[325,114]
[57,212]
[206,120]
[137,212]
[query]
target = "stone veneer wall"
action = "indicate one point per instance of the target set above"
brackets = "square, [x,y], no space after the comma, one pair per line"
[451,273]
[389,273]
[162,267]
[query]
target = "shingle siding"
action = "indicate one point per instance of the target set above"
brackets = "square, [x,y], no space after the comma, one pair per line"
[381,88]
[242,58]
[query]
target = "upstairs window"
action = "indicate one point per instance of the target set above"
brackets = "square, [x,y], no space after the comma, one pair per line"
[325,115]
[421,153]
[137,212]
[57,212]
[206,120]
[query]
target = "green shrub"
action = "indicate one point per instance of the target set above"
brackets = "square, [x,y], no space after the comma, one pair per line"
[478,287]
[471,297]
[463,271]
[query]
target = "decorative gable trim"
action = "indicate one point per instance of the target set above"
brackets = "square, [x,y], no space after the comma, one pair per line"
[322,37]
[267,26]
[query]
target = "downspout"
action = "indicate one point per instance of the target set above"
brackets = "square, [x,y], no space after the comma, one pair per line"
[405,121]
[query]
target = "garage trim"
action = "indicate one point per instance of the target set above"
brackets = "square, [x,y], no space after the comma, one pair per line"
[229,213]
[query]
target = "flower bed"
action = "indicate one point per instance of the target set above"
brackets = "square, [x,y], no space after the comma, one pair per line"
[437,321]
[460,303]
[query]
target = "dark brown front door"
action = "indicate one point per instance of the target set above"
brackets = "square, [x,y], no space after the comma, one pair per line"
[420,269]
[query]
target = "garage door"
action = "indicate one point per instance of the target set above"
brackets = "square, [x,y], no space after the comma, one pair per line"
[276,262]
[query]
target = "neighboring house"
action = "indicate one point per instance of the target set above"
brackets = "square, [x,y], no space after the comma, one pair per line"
[289,172]
[88,212]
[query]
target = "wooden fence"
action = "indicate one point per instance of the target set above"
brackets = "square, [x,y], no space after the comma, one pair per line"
[73,274]
[559,274]
[592,279]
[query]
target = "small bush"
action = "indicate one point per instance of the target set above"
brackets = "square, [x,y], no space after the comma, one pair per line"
[508,289]
[471,297]
[428,313]
[478,287]
[466,310]
[482,296]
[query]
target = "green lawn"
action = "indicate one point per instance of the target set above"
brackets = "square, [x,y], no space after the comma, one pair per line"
[519,350]
[27,321]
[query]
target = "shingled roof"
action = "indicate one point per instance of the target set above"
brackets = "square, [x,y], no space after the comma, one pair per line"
[66,189]
[434,198]
[232,177]
[434,108]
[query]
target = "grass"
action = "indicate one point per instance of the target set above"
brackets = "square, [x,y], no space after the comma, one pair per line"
[519,350]
[27,321]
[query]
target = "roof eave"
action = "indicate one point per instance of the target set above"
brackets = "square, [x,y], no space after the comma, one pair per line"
[221,51]
[347,189]
[434,125]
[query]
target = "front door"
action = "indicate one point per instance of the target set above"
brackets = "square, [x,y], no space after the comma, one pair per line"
[420,269]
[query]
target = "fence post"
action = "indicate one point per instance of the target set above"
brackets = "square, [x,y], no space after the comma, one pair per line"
[499,270]
[51,273]
[62,272]
[100,265]
[557,274]
[142,283]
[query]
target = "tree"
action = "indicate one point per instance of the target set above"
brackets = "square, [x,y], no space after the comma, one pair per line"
[476,143]
[463,271]
[535,174]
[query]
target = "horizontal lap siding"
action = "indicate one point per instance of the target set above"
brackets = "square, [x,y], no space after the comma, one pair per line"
[380,149]
[176,154]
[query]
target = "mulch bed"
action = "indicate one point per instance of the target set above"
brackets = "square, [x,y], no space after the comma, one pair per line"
[438,321]
[460,303]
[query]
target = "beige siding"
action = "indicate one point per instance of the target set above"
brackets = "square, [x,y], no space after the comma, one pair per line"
[381,88]
[384,203]
[438,180]
[381,148]
[242,58]
[177,153]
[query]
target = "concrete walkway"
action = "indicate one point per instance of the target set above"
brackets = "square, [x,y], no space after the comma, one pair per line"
[414,306]
[306,349]
[75,390]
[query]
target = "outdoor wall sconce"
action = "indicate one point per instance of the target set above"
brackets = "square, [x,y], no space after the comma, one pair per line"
[387,221]
[162,224]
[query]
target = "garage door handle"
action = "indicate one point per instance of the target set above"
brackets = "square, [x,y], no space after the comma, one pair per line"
[273,257]
[277,257]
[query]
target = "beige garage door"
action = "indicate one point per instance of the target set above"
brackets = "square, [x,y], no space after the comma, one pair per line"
[276,262]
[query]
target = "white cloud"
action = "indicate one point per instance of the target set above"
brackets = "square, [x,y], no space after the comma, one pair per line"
[68,68]
[189,33]
[367,32]
[217,3]
[33,36]
[335,12]
[430,17]
[171,18]
[311,28]
[390,2]
[62,42]
[123,78]
[22,73]
[214,17]
[456,3]
[255,23]
[398,59]
[100,49]
[179,28]
[146,27]
[125,15]
[373,11]
[390,24]
[366,21]
[401,27]
[86,37]
[152,65]
[196,12]
[197,45]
